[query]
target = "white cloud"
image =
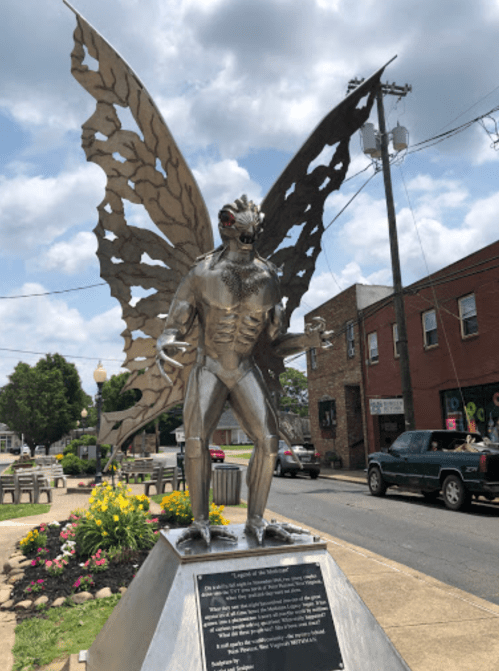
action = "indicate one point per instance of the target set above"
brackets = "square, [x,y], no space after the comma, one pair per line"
[49,324]
[36,210]
[70,257]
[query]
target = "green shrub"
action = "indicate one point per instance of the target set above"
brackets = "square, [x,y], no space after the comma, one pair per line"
[105,451]
[72,465]
[90,466]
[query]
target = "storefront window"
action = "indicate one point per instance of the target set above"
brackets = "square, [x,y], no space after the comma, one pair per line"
[472,409]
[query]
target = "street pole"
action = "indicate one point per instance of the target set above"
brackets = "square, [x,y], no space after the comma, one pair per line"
[398,296]
[99,377]
[98,473]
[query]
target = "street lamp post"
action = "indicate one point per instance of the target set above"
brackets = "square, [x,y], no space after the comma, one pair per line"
[100,377]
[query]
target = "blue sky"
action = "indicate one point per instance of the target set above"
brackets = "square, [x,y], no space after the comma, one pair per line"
[241,85]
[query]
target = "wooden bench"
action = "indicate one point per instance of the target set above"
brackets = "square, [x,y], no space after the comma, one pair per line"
[54,472]
[8,486]
[138,468]
[161,476]
[33,482]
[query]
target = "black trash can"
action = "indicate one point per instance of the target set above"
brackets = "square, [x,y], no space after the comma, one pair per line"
[227,485]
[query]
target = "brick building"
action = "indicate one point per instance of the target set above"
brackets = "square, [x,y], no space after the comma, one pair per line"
[355,397]
[335,383]
[453,340]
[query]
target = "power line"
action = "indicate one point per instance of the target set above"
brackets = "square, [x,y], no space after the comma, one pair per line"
[66,356]
[49,293]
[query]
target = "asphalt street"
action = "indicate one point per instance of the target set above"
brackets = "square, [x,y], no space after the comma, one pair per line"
[458,548]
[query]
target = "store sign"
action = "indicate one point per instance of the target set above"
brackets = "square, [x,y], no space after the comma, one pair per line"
[386,406]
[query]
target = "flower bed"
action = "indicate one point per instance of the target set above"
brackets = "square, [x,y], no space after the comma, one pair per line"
[96,548]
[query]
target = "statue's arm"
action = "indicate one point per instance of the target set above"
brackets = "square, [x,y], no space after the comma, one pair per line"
[181,314]
[288,344]
[178,322]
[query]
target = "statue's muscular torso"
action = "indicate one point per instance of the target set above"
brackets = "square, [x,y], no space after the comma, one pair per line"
[234,303]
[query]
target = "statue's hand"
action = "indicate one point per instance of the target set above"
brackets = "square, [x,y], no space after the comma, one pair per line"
[317,333]
[167,341]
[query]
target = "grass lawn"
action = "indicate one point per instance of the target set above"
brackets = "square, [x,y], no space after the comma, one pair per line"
[237,448]
[9,511]
[62,632]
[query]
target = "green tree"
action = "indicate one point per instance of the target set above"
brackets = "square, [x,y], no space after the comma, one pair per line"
[168,422]
[76,398]
[113,398]
[34,403]
[295,386]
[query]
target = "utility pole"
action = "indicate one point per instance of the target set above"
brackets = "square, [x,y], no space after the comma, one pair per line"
[398,297]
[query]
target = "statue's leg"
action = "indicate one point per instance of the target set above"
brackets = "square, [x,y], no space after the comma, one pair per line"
[203,406]
[252,405]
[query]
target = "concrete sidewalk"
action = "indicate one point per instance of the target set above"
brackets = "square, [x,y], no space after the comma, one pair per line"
[432,625]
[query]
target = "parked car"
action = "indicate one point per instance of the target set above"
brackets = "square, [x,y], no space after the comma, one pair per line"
[20,449]
[308,461]
[456,463]
[217,454]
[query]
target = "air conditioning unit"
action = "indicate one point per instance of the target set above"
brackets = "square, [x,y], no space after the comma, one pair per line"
[351,351]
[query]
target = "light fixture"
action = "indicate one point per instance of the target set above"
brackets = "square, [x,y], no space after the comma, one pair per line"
[100,374]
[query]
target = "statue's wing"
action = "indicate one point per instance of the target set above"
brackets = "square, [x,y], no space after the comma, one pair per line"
[145,167]
[294,206]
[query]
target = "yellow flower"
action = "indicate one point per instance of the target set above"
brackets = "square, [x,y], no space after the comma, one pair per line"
[116,518]
[104,508]
[104,533]
[98,522]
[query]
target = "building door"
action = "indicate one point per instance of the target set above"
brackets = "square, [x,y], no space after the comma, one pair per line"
[355,426]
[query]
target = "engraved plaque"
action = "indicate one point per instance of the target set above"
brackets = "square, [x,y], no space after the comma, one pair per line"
[268,619]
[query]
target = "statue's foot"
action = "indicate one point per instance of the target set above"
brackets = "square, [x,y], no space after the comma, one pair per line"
[284,532]
[205,532]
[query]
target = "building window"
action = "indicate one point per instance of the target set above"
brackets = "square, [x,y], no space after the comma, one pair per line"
[430,328]
[327,417]
[313,358]
[396,344]
[467,315]
[350,341]
[372,346]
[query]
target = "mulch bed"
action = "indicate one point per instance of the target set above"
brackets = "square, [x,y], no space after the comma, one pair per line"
[120,573]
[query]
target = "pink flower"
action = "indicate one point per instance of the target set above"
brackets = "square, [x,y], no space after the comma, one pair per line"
[48,563]
[34,562]
[40,581]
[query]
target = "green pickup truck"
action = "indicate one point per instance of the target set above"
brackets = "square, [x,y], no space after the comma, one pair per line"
[456,463]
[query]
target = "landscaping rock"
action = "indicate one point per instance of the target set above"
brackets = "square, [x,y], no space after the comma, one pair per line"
[15,578]
[7,605]
[41,601]
[23,605]
[58,602]
[81,597]
[5,595]
[122,590]
[15,563]
[103,593]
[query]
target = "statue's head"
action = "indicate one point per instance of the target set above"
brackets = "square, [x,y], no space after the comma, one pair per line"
[240,223]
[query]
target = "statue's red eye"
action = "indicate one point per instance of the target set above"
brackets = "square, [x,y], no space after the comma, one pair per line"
[227,219]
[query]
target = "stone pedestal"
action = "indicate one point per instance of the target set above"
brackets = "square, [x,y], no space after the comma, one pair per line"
[241,608]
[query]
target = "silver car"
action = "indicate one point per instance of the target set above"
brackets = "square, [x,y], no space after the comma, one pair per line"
[304,460]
